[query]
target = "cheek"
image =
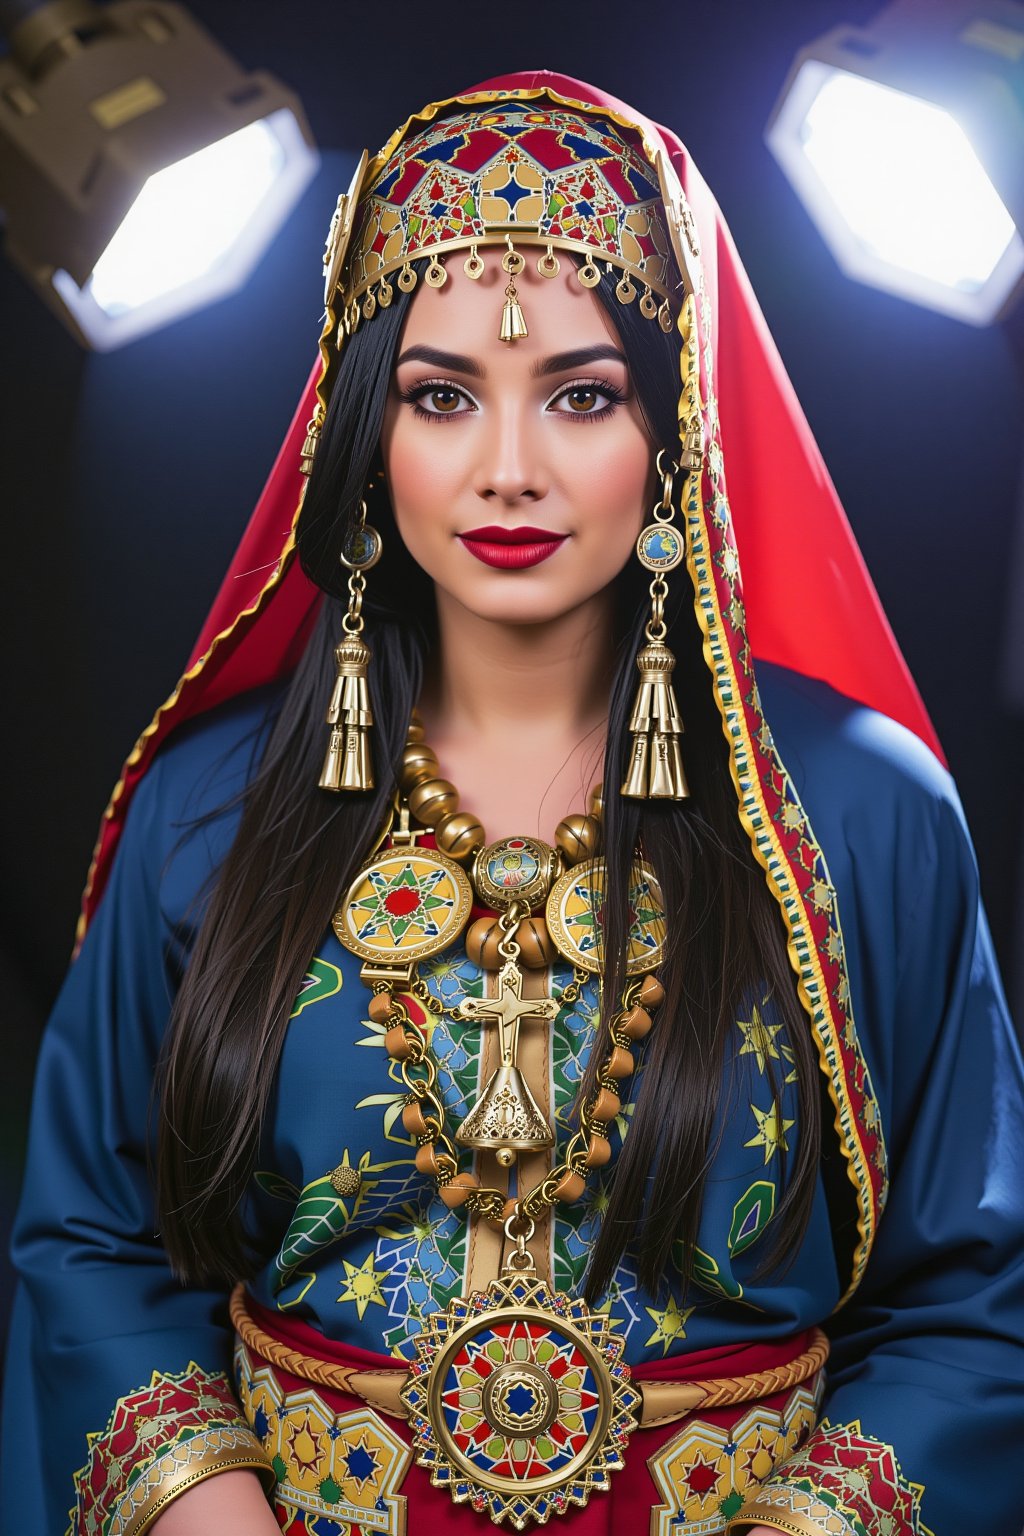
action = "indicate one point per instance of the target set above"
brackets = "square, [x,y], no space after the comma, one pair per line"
[418,468]
[610,475]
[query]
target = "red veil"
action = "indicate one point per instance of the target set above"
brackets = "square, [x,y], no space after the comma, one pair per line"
[805,601]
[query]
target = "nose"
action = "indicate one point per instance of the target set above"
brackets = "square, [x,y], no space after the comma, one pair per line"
[510,467]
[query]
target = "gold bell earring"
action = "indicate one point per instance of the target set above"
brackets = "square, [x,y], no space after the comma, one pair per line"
[655,769]
[348,763]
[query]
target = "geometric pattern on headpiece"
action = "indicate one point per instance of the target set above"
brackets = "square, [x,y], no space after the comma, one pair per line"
[534,174]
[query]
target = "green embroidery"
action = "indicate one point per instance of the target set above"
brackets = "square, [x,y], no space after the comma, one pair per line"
[320,1218]
[750,1215]
[278,1187]
[321,980]
[708,1274]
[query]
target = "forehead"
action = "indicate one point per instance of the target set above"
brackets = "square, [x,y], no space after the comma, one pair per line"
[465,315]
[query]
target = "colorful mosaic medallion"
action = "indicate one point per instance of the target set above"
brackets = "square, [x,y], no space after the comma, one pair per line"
[574,917]
[519,1401]
[660,547]
[405,904]
[516,869]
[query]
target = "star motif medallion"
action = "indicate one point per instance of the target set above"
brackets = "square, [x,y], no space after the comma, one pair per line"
[405,904]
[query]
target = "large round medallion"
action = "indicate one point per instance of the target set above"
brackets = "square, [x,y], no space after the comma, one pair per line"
[575,910]
[405,904]
[516,869]
[519,1402]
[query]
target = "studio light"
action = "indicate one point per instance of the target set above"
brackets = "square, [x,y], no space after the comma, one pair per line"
[905,142]
[143,173]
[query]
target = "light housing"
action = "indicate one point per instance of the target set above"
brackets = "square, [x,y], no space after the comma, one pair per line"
[143,173]
[905,142]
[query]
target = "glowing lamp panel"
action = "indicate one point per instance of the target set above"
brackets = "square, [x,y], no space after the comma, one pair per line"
[194,233]
[898,192]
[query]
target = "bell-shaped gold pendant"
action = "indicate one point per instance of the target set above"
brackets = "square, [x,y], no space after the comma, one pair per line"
[505,1115]
[655,770]
[513,324]
[348,764]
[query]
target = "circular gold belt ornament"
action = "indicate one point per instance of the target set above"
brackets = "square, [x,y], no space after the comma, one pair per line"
[519,1401]
[404,904]
[574,917]
[514,869]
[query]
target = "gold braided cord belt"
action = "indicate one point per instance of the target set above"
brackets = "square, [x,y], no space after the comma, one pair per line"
[663,1401]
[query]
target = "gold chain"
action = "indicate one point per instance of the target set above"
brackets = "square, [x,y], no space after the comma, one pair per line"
[406,1043]
[419,1074]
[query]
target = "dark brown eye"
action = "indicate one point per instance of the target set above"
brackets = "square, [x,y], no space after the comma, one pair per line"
[581,399]
[444,399]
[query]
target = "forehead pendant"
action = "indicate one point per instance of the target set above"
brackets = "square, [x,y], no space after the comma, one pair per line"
[513,325]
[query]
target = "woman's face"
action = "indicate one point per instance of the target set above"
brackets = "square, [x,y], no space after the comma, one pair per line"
[519,472]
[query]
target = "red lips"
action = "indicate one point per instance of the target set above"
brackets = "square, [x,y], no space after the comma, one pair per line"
[512,549]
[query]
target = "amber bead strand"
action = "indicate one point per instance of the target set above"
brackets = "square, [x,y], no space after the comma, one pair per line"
[434,802]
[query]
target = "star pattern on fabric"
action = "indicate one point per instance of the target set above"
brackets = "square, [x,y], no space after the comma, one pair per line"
[771,1131]
[701,1477]
[362,1463]
[669,1324]
[792,816]
[304,1445]
[821,895]
[758,1038]
[729,564]
[760,1458]
[362,1284]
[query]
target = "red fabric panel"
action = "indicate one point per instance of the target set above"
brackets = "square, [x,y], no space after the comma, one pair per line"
[624,1508]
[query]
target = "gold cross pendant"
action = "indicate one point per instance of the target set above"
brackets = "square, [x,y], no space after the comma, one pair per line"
[506,1115]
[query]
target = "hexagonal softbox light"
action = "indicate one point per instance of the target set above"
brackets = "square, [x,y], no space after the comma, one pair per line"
[142,172]
[905,142]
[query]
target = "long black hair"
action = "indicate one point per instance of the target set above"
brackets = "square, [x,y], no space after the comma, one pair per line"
[298,847]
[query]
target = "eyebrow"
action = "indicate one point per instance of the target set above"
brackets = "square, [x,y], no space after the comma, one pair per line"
[559,362]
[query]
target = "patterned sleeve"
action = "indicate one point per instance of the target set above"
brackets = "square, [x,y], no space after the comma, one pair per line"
[924,1415]
[117,1394]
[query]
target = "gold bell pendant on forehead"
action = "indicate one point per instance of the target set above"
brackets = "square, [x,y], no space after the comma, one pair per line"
[513,324]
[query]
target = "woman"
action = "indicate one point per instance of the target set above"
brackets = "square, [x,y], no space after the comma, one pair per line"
[582,1038]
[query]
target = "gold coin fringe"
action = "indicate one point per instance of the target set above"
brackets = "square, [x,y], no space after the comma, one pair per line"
[380,294]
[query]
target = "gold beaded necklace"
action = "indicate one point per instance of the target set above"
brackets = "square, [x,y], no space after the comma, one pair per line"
[519,1338]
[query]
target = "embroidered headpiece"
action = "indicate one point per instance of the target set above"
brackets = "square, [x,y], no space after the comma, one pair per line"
[510,174]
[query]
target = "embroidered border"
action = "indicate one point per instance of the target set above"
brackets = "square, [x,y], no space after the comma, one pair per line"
[770,810]
[160,1440]
[842,1483]
[704,1471]
[331,1469]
